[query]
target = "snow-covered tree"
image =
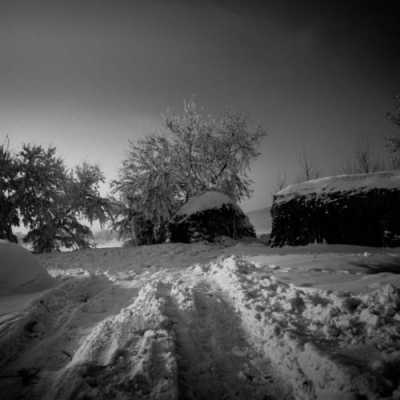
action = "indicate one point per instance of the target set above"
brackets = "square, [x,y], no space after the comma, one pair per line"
[53,201]
[84,193]
[194,152]
[8,205]
[148,186]
[213,153]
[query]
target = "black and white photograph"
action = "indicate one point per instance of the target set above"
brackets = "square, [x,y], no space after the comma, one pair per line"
[199,200]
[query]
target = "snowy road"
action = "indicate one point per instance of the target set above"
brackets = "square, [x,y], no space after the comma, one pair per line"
[225,329]
[168,336]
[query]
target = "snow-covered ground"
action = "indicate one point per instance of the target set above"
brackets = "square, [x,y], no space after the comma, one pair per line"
[207,321]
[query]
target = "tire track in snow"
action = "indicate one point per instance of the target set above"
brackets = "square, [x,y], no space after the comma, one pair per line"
[175,338]
[128,355]
[214,359]
[277,318]
[45,337]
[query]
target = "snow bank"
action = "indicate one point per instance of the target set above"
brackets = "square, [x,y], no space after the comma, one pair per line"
[342,183]
[206,201]
[50,314]
[128,355]
[20,272]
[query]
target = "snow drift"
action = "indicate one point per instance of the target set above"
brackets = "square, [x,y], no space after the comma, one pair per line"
[20,271]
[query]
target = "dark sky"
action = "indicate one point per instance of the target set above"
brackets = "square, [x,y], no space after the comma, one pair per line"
[87,76]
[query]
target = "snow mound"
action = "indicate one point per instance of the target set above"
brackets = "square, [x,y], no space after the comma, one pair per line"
[343,183]
[127,355]
[206,201]
[20,272]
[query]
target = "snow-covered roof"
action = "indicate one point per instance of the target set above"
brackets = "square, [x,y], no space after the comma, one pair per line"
[205,201]
[342,183]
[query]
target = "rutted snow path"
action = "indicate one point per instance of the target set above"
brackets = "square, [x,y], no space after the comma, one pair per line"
[215,361]
[167,335]
[223,330]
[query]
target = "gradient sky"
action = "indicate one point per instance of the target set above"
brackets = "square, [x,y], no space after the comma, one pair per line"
[88,76]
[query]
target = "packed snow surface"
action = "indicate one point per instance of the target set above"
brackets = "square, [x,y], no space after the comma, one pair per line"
[342,183]
[207,321]
[206,201]
[20,271]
